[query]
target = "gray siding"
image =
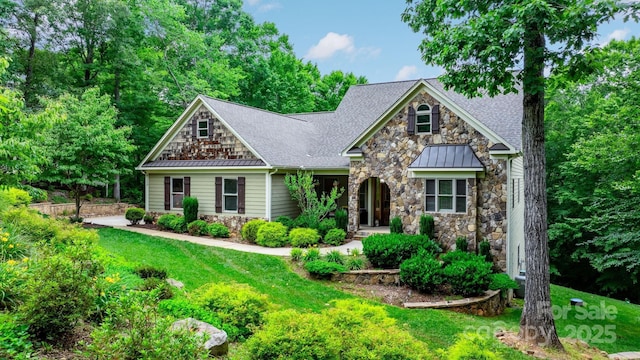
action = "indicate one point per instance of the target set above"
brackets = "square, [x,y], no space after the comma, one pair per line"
[203,188]
[281,203]
[515,246]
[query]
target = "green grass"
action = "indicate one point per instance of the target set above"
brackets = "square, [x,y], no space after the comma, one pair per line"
[196,265]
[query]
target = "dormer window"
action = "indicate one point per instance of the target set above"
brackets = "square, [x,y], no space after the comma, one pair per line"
[423,119]
[203,128]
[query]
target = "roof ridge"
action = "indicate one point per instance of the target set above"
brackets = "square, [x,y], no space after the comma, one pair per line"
[253,108]
[388,82]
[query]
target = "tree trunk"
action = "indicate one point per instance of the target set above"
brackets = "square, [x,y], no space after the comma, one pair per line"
[536,325]
[78,204]
[116,188]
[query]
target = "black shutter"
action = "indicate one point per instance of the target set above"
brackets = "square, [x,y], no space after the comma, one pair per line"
[194,128]
[167,193]
[411,121]
[218,194]
[241,182]
[435,119]
[187,186]
[211,128]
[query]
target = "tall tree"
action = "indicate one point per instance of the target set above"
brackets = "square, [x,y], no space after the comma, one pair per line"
[479,43]
[331,88]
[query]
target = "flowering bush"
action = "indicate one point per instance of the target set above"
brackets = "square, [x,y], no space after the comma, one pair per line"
[11,246]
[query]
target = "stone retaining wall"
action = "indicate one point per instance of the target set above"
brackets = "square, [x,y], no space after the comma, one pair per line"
[369,277]
[233,222]
[490,304]
[87,210]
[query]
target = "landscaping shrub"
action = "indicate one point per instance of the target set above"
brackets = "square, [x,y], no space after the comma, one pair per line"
[37,195]
[238,305]
[12,244]
[286,221]
[422,272]
[355,252]
[326,225]
[272,234]
[427,226]
[468,277]
[165,221]
[218,230]
[149,271]
[296,254]
[502,282]
[395,227]
[148,219]
[303,237]
[179,224]
[12,277]
[250,229]
[190,209]
[462,244]
[472,346]
[31,225]
[197,228]
[134,215]
[323,269]
[14,339]
[484,249]
[335,256]
[335,237]
[342,219]
[183,308]
[306,221]
[354,263]
[15,197]
[388,251]
[162,290]
[454,256]
[311,254]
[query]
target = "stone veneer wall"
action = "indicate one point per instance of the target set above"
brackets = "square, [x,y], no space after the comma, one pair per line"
[233,222]
[388,154]
[223,144]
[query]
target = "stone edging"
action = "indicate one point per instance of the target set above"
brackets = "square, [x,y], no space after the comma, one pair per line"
[87,209]
[369,277]
[490,304]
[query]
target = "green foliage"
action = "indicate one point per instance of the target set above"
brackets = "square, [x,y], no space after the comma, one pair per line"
[462,244]
[388,251]
[37,195]
[335,256]
[190,209]
[197,227]
[422,272]
[457,255]
[178,224]
[355,263]
[502,282]
[31,225]
[149,271]
[218,230]
[342,219]
[237,305]
[13,275]
[181,308]
[484,249]
[148,218]
[272,234]
[427,226]
[250,229]
[286,221]
[302,189]
[303,237]
[134,215]
[323,269]
[165,221]
[311,254]
[335,237]
[468,277]
[14,339]
[349,330]
[395,227]
[306,221]
[325,225]
[473,346]
[15,197]
[12,245]
[162,290]
[296,254]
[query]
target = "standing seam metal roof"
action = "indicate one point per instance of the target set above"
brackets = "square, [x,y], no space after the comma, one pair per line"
[447,157]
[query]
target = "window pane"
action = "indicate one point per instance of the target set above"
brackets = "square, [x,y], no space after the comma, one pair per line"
[230,203]
[461,204]
[424,128]
[203,124]
[177,200]
[431,203]
[423,107]
[203,133]
[230,186]
[445,202]
[445,187]
[431,187]
[461,187]
[178,185]
[423,119]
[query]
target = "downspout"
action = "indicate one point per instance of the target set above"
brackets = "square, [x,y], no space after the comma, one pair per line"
[146,190]
[268,194]
[509,241]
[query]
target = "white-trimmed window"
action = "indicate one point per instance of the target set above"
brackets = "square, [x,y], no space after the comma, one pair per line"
[423,119]
[446,195]
[230,195]
[177,192]
[203,128]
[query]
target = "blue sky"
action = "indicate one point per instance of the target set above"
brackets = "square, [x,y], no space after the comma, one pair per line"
[365,37]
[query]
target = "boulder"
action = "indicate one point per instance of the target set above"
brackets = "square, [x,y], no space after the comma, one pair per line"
[217,339]
[175,283]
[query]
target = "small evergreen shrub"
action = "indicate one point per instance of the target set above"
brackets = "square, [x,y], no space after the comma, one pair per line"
[396,225]
[323,269]
[454,256]
[218,230]
[303,237]
[462,244]
[190,209]
[306,221]
[286,221]
[148,219]
[134,215]
[161,288]
[502,282]
[422,272]
[149,271]
[335,237]
[250,229]
[311,254]
[484,249]
[296,254]
[326,225]
[354,263]
[165,221]
[197,228]
[468,277]
[342,219]
[272,234]
[179,224]
[388,251]
[37,195]
[427,226]
[335,256]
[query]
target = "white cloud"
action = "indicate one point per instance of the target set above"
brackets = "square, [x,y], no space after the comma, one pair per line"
[407,72]
[329,45]
[619,34]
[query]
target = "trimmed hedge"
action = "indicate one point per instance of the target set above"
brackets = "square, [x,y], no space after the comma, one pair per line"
[134,215]
[250,229]
[388,251]
[335,237]
[422,272]
[165,221]
[326,225]
[303,237]
[272,234]
[324,269]
[218,230]
[468,277]
[197,227]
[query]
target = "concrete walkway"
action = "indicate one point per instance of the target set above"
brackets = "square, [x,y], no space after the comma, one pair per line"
[119,222]
[630,355]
